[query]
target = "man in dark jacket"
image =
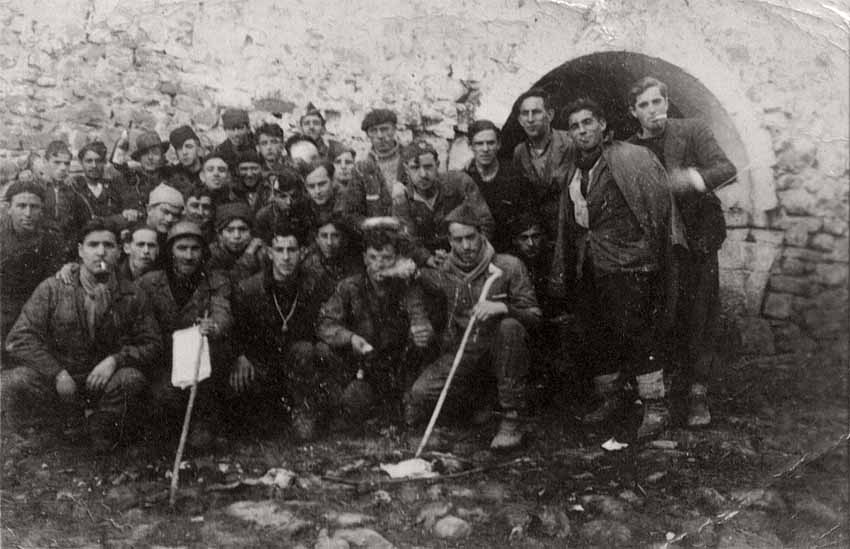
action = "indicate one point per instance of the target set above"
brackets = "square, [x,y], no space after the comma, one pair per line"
[139,181]
[697,166]
[100,196]
[278,357]
[498,346]
[237,127]
[250,185]
[429,197]
[141,250]
[614,239]
[237,251]
[504,188]
[91,341]
[332,256]
[185,293]
[187,147]
[544,156]
[313,125]
[29,252]
[64,211]
[377,319]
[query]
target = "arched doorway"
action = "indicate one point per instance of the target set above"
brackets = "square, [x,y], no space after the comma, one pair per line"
[607,76]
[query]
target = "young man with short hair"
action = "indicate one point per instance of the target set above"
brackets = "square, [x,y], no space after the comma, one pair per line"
[250,186]
[141,249]
[90,343]
[100,196]
[216,176]
[270,146]
[313,125]
[237,127]
[63,209]
[200,209]
[187,148]
[696,165]
[428,199]
[331,256]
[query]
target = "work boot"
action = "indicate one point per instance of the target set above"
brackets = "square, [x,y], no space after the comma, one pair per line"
[656,417]
[698,414]
[509,435]
[608,388]
[104,431]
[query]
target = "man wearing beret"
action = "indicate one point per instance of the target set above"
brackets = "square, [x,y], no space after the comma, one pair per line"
[29,252]
[187,148]
[312,124]
[88,344]
[236,251]
[237,127]
[381,174]
[498,345]
[429,197]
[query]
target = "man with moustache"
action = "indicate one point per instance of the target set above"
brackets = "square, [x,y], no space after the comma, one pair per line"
[200,209]
[616,242]
[187,147]
[505,189]
[236,251]
[380,175]
[186,293]
[696,166]
[152,171]
[29,252]
[278,358]
[378,320]
[429,198]
[89,344]
[323,198]
[544,156]
[141,249]
[499,345]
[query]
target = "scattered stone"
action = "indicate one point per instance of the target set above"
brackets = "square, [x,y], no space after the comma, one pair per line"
[664,444]
[476,514]
[655,477]
[121,498]
[482,456]
[517,516]
[381,497]
[554,522]
[606,533]
[461,492]
[605,505]
[347,520]
[451,527]
[430,512]
[491,491]
[324,542]
[769,500]
[408,493]
[710,497]
[363,537]
[435,492]
[630,497]
[267,513]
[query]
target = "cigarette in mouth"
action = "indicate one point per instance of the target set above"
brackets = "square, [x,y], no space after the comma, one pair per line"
[103,265]
[660,117]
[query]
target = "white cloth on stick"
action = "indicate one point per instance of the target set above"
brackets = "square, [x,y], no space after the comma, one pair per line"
[187,343]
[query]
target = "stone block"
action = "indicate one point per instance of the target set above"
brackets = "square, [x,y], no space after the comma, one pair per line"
[784,221]
[778,306]
[795,285]
[823,242]
[831,274]
[770,237]
[797,235]
[735,234]
[840,250]
[835,226]
[750,256]
[737,218]
[798,202]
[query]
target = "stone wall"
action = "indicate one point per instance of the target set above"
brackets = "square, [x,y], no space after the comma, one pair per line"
[776,71]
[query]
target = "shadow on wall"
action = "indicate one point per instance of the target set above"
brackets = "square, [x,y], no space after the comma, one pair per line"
[606,78]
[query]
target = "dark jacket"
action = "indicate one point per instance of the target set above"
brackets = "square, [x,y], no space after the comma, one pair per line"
[384,321]
[425,224]
[367,194]
[64,213]
[327,274]
[25,260]
[689,143]
[546,185]
[52,332]
[137,185]
[258,334]
[507,195]
[237,267]
[108,205]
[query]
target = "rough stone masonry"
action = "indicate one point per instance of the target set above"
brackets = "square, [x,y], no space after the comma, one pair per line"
[776,72]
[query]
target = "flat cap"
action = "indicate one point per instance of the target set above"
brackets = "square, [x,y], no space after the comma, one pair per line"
[165,194]
[234,118]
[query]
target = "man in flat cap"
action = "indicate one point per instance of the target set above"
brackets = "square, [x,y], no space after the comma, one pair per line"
[312,124]
[429,197]
[29,252]
[381,174]
[498,345]
[139,182]
[236,251]
[187,148]
[237,127]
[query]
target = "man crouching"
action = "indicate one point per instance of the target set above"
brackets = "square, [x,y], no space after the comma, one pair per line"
[498,344]
[86,343]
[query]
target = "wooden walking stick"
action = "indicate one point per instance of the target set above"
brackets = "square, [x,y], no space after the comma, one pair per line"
[495,273]
[193,392]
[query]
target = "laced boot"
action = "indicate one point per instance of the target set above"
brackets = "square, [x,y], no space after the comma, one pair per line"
[510,434]
[608,388]
[698,413]
[656,414]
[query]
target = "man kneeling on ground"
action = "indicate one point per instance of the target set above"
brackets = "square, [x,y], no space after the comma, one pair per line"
[498,344]
[86,343]
[278,356]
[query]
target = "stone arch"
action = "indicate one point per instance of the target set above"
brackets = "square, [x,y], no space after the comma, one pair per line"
[606,77]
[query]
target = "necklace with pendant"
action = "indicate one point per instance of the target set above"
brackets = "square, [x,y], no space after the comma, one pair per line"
[285,319]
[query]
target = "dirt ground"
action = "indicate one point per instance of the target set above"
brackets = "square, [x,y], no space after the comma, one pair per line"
[771,471]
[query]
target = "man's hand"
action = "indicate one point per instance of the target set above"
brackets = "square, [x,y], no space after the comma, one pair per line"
[253,246]
[131,215]
[100,375]
[208,327]
[360,345]
[243,374]
[66,386]
[66,273]
[686,181]
[437,259]
[486,310]
[421,334]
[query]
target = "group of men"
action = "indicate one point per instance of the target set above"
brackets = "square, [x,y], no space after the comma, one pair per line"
[333,286]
